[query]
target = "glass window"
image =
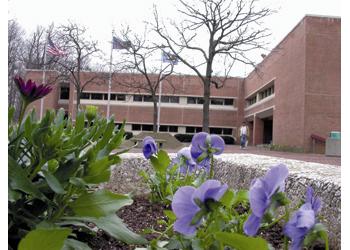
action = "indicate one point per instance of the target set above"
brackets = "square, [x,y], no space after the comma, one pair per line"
[200,100]
[165,98]
[84,95]
[147,98]
[64,94]
[172,128]
[215,131]
[217,101]
[96,96]
[136,127]
[146,127]
[190,129]
[174,99]
[137,98]
[163,128]
[112,97]
[228,102]
[105,96]
[227,131]
[198,129]
[120,97]
[191,100]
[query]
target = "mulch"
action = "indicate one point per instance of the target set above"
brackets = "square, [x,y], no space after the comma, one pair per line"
[143,214]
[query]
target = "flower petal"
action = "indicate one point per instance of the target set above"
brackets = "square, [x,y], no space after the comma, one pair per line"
[183,225]
[251,226]
[208,190]
[218,143]
[275,179]
[258,198]
[198,144]
[183,204]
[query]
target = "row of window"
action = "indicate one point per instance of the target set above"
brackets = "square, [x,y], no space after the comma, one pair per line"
[261,94]
[64,94]
[174,129]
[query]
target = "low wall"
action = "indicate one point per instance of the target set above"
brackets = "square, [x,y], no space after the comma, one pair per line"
[237,170]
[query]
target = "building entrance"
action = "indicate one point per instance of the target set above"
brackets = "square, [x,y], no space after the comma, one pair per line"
[268,128]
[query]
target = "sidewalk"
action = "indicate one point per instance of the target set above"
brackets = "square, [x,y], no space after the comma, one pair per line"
[235,149]
[308,157]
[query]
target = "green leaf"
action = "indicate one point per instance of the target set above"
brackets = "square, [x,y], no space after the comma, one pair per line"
[48,238]
[18,180]
[319,231]
[11,112]
[241,196]
[170,214]
[53,183]
[161,162]
[98,171]
[79,122]
[77,182]
[52,165]
[241,242]
[13,195]
[228,198]
[114,226]
[99,203]
[71,244]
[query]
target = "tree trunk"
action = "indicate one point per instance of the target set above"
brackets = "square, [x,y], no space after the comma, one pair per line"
[206,97]
[78,102]
[155,115]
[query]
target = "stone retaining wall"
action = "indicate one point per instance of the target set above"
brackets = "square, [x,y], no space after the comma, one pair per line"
[237,170]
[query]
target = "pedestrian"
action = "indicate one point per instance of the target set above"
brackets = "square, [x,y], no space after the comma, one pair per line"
[243,132]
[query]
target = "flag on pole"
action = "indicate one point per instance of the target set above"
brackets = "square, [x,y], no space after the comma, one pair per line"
[167,57]
[120,44]
[53,49]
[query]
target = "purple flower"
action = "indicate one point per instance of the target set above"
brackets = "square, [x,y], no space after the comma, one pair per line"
[205,145]
[149,147]
[260,194]
[190,204]
[30,91]
[185,161]
[303,220]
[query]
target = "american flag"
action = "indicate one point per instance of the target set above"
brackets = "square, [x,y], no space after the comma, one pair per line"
[53,49]
[167,57]
[120,44]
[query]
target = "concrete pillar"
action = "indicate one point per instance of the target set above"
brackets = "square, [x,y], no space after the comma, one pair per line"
[258,130]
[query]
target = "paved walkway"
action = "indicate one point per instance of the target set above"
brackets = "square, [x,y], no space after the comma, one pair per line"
[318,158]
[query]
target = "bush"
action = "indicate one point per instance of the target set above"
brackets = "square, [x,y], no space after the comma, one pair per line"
[54,168]
[184,137]
[128,135]
[229,140]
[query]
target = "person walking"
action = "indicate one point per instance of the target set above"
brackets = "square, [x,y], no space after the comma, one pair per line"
[243,132]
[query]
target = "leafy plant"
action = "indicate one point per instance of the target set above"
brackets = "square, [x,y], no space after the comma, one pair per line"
[54,168]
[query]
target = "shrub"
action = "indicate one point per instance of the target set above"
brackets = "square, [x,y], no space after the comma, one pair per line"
[53,170]
[229,140]
[128,135]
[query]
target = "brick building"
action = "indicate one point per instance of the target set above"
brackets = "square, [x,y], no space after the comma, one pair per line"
[294,93]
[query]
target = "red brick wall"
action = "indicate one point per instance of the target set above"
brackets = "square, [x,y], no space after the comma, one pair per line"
[323,83]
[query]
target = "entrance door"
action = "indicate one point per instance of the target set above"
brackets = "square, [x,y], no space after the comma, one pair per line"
[268,126]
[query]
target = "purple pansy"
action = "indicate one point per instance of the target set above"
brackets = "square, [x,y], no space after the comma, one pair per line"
[185,161]
[303,220]
[186,205]
[149,147]
[30,91]
[260,194]
[205,145]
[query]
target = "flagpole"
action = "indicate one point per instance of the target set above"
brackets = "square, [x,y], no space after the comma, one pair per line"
[43,82]
[159,95]
[110,77]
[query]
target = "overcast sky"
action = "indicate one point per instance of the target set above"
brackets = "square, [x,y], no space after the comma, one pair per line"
[101,16]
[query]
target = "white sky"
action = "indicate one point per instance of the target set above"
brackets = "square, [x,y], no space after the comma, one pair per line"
[101,16]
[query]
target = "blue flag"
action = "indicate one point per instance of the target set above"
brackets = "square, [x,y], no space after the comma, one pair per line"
[167,57]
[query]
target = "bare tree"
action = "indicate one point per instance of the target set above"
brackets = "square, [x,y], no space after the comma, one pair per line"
[139,56]
[79,51]
[15,51]
[214,30]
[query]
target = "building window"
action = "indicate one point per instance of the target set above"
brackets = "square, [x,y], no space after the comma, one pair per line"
[251,100]
[84,95]
[96,96]
[228,102]
[147,98]
[217,101]
[147,127]
[120,97]
[64,93]
[227,131]
[192,130]
[191,100]
[173,128]
[217,131]
[136,127]
[137,98]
